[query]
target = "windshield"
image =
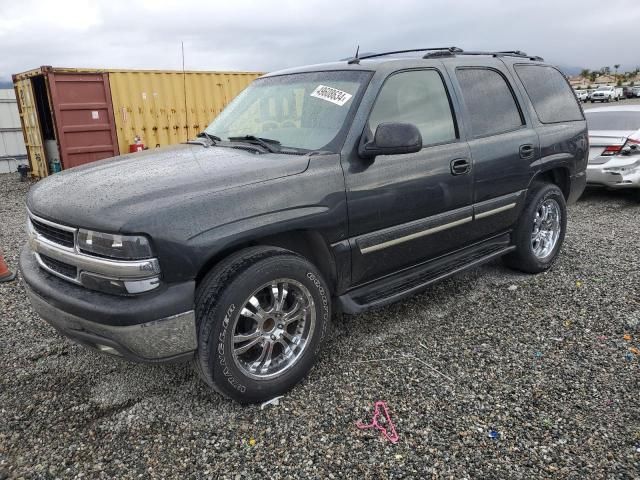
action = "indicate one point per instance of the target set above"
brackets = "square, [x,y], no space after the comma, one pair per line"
[304,110]
[604,89]
[613,120]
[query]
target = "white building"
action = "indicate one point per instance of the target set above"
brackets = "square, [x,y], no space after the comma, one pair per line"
[12,149]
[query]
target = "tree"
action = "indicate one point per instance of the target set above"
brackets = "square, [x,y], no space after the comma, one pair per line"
[593,76]
[616,67]
[605,70]
[584,73]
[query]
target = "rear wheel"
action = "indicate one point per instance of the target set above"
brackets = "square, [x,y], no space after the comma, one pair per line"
[262,316]
[540,231]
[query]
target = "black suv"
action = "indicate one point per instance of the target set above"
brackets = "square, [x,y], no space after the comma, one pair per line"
[337,187]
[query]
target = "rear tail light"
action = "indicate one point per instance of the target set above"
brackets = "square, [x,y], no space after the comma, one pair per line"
[630,147]
[612,150]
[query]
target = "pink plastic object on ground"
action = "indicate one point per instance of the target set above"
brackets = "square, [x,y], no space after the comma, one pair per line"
[390,435]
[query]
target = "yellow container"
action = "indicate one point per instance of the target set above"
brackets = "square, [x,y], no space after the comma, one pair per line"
[164,108]
[160,107]
[31,127]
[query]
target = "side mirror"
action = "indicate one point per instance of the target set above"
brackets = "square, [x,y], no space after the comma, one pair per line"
[392,139]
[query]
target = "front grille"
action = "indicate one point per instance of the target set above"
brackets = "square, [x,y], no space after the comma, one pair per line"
[60,267]
[56,235]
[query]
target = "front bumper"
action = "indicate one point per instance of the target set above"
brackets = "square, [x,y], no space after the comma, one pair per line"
[615,173]
[155,327]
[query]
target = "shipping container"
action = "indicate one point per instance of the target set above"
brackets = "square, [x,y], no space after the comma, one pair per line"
[75,116]
[12,148]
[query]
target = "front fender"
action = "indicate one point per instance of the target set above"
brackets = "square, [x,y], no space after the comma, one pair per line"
[203,230]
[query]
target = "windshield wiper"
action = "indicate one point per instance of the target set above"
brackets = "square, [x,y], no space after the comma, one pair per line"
[212,138]
[267,143]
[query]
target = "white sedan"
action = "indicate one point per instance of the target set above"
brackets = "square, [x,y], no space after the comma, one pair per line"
[614,147]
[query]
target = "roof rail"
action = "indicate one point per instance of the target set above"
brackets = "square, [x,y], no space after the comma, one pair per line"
[439,52]
[412,50]
[506,53]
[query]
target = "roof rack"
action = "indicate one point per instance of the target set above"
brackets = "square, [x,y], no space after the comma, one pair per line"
[356,59]
[507,53]
[440,52]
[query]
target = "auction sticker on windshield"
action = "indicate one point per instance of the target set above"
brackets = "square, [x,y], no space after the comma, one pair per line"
[331,94]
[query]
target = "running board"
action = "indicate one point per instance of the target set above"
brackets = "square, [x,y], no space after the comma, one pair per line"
[395,287]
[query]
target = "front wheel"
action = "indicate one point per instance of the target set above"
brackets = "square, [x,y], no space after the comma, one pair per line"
[262,316]
[540,230]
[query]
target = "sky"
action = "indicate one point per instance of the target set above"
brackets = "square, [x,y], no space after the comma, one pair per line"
[270,35]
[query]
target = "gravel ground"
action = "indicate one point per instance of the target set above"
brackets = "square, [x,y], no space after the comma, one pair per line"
[544,364]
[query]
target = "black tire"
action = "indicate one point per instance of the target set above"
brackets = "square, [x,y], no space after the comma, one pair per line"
[221,297]
[523,258]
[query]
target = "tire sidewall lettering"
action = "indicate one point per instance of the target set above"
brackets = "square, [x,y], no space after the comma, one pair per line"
[325,308]
[221,352]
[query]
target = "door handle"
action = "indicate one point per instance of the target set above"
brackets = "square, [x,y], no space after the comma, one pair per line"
[526,150]
[460,166]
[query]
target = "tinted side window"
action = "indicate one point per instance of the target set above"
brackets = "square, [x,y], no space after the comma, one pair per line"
[489,101]
[417,97]
[550,94]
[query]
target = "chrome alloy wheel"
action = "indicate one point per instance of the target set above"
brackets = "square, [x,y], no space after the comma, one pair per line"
[273,329]
[546,228]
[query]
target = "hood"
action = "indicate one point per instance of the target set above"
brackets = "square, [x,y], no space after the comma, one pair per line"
[109,193]
[604,138]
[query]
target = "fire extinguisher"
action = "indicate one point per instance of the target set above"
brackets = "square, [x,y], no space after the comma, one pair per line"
[137,145]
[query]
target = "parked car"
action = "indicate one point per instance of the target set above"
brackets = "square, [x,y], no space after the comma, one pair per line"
[636,91]
[603,94]
[628,92]
[619,93]
[337,187]
[614,152]
[582,95]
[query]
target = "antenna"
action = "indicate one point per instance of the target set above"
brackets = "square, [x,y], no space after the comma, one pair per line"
[184,87]
[355,59]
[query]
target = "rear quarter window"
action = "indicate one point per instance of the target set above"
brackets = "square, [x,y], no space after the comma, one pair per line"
[490,102]
[550,94]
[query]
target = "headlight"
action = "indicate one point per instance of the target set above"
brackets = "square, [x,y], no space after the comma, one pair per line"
[122,247]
